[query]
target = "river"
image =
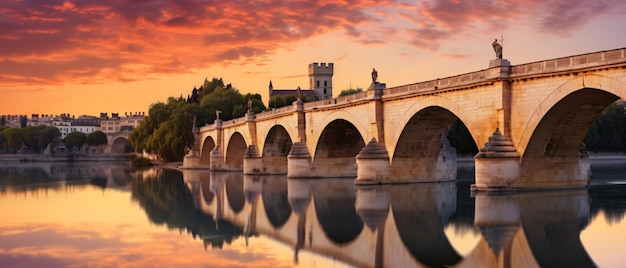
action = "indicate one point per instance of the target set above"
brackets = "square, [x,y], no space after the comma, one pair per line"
[109,215]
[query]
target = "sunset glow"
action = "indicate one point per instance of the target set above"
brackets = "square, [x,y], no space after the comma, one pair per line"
[87,57]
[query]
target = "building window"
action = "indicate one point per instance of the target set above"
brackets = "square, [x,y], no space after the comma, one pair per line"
[318,83]
[325,83]
[324,90]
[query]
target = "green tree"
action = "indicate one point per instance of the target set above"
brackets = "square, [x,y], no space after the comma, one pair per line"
[75,140]
[276,102]
[608,132]
[48,135]
[350,91]
[461,139]
[14,137]
[166,131]
[3,120]
[97,138]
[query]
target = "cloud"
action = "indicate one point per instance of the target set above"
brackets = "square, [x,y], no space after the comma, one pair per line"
[60,41]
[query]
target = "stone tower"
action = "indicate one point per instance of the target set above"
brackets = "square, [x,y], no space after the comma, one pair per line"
[321,79]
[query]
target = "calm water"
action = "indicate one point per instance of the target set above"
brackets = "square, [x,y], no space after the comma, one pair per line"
[107,215]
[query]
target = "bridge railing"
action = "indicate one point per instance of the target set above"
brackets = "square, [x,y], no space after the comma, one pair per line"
[338,100]
[236,121]
[570,63]
[281,110]
[440,83]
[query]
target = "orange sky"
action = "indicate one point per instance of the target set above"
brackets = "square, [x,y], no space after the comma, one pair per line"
[87,57]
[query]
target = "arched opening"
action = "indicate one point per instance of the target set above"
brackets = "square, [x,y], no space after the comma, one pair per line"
[424,151]
[339,144]
[275,150]
[121,145]
[207,147]
[555,154]
[235,152]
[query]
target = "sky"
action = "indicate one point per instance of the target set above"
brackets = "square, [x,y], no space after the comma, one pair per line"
[121,56]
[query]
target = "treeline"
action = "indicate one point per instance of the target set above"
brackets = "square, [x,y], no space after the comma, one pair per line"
[166,131]
[35,139]
[32,139]
[608,132]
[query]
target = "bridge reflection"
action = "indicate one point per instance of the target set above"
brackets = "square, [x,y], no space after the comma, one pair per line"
[398,225]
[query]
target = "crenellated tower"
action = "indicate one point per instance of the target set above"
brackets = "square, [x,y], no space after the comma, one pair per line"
[321,79]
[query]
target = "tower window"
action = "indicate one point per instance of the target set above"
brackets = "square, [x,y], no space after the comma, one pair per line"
[325,83]
[318,83]
[324,90]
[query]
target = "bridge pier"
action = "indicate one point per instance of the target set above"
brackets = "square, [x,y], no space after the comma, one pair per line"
[217,160]
[252,161]
[299,161]
[372,164]
[497,164]
[500,168]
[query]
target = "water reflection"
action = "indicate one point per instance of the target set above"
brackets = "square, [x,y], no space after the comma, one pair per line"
[27,177]
[168,200]
[364,226]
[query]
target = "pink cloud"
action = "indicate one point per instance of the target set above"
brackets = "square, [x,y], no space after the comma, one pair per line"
[62,41]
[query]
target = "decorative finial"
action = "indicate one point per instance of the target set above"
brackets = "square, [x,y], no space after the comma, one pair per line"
[217,114]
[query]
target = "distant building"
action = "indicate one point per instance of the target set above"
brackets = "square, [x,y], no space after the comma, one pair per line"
[85,124]
[115,123]
[320,83]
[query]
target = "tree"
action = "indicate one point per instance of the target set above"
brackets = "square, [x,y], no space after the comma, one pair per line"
[75,140]
[97,138]
[276,102]
[3,120]
[166,131]
[48,135]
[14,137]
[608,132]
[350,91]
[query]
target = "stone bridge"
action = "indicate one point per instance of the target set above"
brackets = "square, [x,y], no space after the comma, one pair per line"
[526,119]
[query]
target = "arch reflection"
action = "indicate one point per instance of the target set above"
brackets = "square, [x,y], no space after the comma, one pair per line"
[403,225]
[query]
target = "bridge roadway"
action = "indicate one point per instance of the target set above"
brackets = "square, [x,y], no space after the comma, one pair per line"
[397,225]
[525,118]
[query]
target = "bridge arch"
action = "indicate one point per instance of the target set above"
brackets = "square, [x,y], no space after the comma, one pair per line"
[421,151]
[475,127]
[360,124]
[338,145]
[235,150]
[121,145]
[276,147]
[568,111]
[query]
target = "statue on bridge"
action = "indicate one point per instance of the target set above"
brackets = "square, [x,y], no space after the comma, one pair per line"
[497,47]
[374,75]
